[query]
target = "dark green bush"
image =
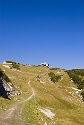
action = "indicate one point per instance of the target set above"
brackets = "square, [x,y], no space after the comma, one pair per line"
[4,76]
[54,77]
[75,76]
[51,74]
[15,66]
[54,68]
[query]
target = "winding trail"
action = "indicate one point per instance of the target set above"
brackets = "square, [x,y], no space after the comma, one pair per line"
[13,115]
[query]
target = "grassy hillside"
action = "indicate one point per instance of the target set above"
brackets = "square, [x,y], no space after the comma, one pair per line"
[62,99]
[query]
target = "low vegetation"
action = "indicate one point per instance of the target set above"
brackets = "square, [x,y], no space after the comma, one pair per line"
[61,99]
[4,76]
[76,75]
[14,65]
[54,68]
[54,78]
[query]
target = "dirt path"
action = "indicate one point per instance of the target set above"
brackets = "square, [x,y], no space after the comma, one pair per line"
[13,115]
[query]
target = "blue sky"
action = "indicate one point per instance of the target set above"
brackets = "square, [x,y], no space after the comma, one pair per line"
[35,31]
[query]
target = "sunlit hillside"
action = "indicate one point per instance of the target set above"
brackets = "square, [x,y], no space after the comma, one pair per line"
[42,101]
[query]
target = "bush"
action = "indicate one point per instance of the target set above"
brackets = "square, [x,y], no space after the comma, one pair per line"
[54,68]
[51,74]
[74,75]
[54,77]
[15,66]
[4,76]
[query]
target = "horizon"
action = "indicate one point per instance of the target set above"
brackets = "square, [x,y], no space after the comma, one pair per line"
[39,64]
[32,32]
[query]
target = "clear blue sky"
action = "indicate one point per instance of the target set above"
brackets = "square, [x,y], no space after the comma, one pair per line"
[35,31]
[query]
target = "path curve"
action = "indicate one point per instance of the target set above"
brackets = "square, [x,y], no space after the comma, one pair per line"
[7,117]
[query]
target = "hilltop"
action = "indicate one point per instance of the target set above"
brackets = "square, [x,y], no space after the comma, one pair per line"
[47,97]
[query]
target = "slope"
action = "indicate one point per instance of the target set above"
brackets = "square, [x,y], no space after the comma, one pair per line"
[53,104]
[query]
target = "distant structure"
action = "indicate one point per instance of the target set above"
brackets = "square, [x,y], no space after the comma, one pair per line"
[7,63]
[44,64]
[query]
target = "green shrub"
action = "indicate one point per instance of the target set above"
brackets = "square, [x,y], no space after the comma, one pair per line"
[51,74]
[54,77]
[54,68]
[74,75]
[4,76]
[15,66]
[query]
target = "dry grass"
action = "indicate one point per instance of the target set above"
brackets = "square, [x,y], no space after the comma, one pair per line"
[68,109]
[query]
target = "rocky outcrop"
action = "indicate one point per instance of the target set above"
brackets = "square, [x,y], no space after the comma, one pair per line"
[7,89]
